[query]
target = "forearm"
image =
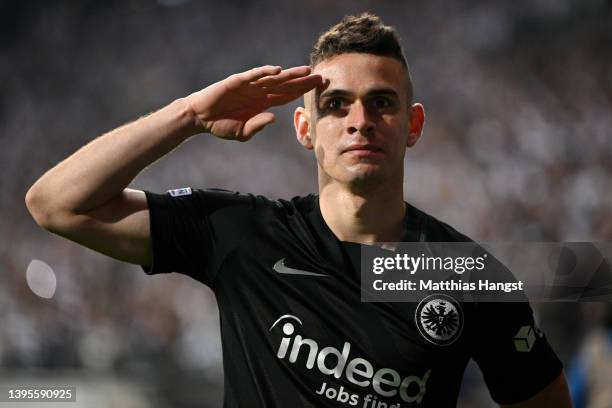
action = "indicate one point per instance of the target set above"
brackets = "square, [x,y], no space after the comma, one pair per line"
[102,169]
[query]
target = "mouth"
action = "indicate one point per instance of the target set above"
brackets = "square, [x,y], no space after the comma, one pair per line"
[363,149]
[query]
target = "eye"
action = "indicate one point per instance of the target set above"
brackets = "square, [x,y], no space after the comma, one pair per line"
[381,102]
[334,104]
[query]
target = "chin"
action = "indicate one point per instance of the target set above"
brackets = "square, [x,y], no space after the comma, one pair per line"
[365,170]
[365,177]
[358,176]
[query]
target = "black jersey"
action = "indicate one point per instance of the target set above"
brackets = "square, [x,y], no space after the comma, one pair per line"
[294,330]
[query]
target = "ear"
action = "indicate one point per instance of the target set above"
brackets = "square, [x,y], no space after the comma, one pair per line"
[301,122]
[417,121]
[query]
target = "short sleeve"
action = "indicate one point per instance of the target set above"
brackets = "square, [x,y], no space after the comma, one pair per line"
[192,231]
[512,352]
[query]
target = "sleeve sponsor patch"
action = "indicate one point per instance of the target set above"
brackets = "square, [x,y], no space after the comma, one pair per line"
[177,192]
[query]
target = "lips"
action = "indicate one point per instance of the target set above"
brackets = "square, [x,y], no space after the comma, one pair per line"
[365,148]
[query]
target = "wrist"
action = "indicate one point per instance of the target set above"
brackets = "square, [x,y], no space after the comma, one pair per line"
[193,125]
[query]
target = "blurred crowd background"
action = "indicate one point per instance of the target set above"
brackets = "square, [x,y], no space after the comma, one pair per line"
[517,147]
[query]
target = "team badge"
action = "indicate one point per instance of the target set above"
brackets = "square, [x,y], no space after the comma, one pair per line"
[439,319]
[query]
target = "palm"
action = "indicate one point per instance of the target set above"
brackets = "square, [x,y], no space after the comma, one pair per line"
[235,108]
[237,103]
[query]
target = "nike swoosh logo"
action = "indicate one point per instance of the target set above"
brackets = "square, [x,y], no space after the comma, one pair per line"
[280,267]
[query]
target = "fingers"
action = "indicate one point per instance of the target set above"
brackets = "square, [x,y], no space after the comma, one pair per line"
[255,124]
[277,100]
[301,85]
[294,89]
[283,76]
[274,84]
[258,73]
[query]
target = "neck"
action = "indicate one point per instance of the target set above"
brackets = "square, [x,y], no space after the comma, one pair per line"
[376,215]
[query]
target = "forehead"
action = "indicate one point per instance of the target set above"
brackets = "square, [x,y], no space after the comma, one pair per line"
[359,72]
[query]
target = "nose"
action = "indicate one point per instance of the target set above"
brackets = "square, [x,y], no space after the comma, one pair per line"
[359,119]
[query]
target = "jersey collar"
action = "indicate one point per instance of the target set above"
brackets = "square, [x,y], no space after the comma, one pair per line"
[335,250]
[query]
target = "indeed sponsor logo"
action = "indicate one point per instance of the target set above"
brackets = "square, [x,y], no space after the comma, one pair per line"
[386,382]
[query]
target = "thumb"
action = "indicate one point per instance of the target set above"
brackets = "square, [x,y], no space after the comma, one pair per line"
[256,123]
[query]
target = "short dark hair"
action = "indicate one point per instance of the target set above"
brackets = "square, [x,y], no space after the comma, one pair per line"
[365,33]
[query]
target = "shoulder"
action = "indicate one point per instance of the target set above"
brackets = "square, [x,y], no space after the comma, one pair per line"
[260,207]
[297,204]
[212,199]
[435,230]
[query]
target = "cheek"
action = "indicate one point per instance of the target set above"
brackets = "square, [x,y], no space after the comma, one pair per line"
[329,126]
[320,154]
[397,129]
[324,152]
[327,134]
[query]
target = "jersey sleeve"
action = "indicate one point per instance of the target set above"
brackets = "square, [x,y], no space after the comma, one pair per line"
[512,352]
[193,231]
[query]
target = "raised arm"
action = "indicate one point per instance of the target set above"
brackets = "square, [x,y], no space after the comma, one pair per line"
[85,197]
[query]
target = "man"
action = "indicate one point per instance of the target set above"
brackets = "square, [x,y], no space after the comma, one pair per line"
[285,273]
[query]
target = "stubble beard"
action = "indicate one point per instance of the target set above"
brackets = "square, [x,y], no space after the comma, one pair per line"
[358,181]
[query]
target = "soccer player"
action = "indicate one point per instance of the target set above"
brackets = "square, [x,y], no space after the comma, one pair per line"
[286,272]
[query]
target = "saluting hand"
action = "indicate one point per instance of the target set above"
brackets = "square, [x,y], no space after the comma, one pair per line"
[235,108]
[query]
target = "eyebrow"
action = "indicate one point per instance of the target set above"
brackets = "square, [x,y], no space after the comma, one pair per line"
[343,92]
